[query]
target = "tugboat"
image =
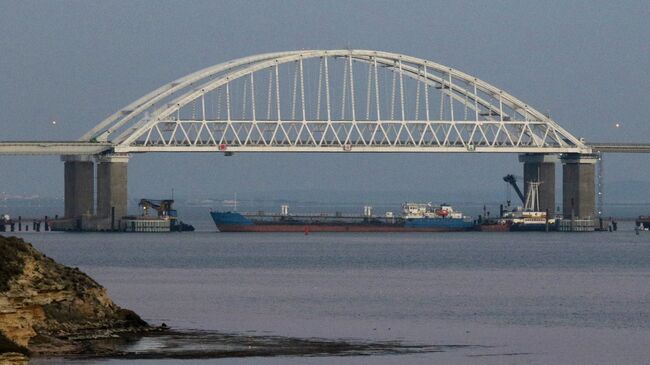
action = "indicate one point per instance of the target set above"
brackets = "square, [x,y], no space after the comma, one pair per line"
[498,224]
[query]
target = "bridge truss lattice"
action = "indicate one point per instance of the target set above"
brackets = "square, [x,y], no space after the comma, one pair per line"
[331,101]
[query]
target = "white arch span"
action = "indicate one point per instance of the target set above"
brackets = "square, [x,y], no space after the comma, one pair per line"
[332,101]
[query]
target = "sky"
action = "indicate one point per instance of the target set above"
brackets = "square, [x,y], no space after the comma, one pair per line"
[584,62]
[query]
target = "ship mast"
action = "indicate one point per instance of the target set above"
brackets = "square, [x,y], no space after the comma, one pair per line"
[532,197]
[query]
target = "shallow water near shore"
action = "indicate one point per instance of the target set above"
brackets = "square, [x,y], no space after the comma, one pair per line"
[525,298]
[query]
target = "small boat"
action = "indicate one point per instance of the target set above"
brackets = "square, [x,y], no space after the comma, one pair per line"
[497,225]
[642,223]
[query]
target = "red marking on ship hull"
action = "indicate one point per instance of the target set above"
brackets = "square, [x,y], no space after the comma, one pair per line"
[331,228]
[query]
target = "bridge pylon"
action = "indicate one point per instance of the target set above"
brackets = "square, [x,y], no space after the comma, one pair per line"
[89,179]
[112,191]
[578,185]
[79,181]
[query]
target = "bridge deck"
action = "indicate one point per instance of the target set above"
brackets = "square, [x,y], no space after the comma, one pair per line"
[95,148]
[53,148]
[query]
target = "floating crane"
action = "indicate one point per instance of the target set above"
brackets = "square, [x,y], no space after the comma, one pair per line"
[165,212]
[512,180]
[163,207]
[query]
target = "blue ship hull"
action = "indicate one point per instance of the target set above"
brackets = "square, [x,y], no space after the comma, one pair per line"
[438,222]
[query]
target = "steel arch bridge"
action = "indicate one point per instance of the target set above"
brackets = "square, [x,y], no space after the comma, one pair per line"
[331,101]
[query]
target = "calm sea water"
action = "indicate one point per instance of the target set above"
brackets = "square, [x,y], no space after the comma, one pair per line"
[529,298]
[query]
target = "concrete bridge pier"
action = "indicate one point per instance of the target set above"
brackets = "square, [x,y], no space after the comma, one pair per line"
[79,180]
[541,167]
[112,189]
[578,185]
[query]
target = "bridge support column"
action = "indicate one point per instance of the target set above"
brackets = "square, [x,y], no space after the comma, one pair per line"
[541,167]
[578,186]
[79,182]
[112,189]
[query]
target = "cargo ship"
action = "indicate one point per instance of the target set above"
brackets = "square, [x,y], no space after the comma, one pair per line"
[415,217]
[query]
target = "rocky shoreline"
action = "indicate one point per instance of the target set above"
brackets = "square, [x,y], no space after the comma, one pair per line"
[50,309]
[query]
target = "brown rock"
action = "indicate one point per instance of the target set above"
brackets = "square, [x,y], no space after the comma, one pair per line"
[13,358]
[46,307]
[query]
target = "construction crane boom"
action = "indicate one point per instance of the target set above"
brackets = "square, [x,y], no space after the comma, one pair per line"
[512,180]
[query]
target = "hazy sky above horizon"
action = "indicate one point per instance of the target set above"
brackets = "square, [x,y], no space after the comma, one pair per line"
[585,62]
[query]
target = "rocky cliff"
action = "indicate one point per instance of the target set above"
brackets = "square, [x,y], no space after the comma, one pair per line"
[48,308]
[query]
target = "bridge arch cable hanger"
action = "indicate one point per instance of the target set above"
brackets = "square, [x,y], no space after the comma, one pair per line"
[332,101]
